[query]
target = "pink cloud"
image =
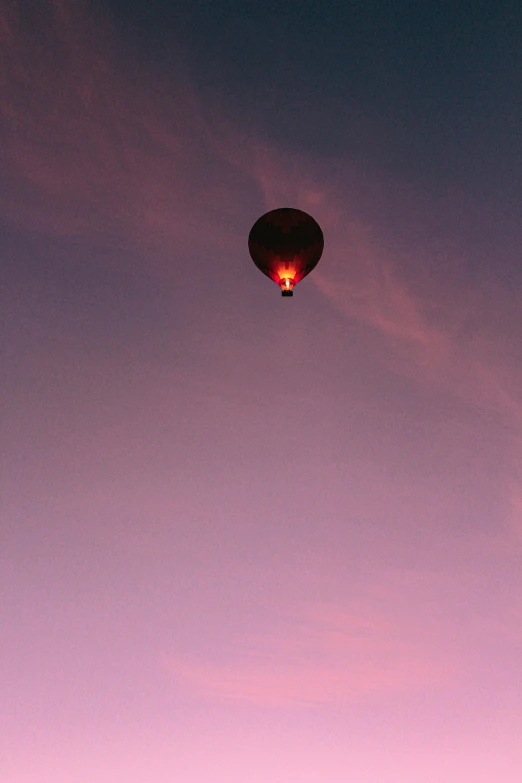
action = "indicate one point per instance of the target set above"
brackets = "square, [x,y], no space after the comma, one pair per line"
[435,334]
[458,335]
[325,655]
[97,149]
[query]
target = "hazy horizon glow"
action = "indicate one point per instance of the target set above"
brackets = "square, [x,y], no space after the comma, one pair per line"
[245,537]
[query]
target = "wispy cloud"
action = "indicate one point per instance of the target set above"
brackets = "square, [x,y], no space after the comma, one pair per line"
[323,655]
[94,148]
[456,332]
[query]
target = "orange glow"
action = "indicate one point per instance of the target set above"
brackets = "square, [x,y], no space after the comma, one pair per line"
[286,273]
[286,283]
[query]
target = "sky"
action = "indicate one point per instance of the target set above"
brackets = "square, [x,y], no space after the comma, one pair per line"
[248,538]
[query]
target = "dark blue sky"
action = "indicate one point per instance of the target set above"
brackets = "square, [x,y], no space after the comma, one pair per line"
[429,91]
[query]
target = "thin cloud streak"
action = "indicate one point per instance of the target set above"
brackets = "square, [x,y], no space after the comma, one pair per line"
[91,149]
[325,655]
[436,335]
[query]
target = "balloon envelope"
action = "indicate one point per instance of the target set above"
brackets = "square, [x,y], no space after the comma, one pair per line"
[286,244]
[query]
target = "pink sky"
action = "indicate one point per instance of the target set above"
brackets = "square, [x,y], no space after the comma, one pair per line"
[244,538]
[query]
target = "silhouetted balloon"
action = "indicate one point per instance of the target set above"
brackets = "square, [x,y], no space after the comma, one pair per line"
[286,244]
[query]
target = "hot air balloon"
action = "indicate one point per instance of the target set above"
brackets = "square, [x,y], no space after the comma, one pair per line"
[286,244]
